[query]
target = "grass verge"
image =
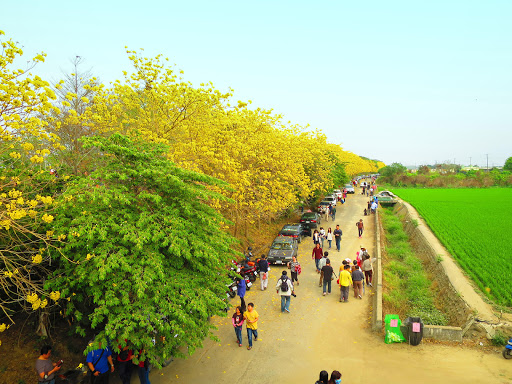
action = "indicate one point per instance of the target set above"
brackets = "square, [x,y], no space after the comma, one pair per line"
[408,288]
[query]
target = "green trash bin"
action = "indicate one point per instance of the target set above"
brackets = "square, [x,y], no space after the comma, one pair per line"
[392,329]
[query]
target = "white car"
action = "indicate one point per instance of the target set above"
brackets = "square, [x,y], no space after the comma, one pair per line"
[350,188]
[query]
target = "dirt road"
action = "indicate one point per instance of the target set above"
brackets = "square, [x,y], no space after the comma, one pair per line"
[322,333]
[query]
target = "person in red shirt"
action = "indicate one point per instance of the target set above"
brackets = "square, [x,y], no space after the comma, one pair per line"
[317,255]
[124,362]
[143,368]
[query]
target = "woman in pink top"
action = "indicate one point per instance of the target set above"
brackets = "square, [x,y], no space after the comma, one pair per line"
[237,321]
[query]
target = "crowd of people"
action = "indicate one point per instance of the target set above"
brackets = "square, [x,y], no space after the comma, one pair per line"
[357,273]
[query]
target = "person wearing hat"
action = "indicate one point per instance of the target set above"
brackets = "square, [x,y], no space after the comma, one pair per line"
[284,288]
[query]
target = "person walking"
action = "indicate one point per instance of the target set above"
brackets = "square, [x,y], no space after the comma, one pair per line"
[316,237]
[322,236]
[357,279]
[368,270]
[45,368]
[143,369]
[124,364]
[324,378]
[335,378]
[241,287]
[345,282]
[317,255]
[360,227]
[251,316]
[294,268]
[321,263]
[284,288]
[98,362]
[333,212]
[327,272]
[238,321]
[329,237]
[264,268]
[374,207]
[337,236]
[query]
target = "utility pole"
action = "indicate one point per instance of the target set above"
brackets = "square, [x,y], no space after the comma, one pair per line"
[487,155]
[470,161]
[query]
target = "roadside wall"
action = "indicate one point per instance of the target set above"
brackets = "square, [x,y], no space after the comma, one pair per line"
[377,279]
[449,301]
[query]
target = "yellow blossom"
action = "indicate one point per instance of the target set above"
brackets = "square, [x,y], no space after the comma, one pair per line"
[27,146]
[37,259]
[3,327]
[36,304]
[44,303]
[47,218]
[37,159]
[32,298]
[55,295]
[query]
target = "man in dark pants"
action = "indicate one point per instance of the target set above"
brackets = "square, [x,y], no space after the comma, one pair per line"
[98,362]
[337,236]
[124,364]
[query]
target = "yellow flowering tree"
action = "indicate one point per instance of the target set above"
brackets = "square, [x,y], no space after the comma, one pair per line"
[25,206]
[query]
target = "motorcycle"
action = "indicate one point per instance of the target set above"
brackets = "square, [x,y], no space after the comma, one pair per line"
[248,272]
[507,352]
[232,289]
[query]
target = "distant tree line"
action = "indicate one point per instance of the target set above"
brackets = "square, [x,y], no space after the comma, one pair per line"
[446,176]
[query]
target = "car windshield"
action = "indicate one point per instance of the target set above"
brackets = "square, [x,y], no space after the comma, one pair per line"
[309,216]
[329,198]
[288,230]
[283,246]
[325,203]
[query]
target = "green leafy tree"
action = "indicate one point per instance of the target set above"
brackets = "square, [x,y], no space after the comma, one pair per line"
[508,164]
[392,170]
[145,257]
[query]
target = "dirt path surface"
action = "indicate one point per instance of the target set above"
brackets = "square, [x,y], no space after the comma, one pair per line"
[322,333]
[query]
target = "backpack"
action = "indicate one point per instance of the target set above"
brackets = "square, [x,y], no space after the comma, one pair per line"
[284,284]
[363,254]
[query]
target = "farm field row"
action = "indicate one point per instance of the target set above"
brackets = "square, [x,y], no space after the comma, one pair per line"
[474,225]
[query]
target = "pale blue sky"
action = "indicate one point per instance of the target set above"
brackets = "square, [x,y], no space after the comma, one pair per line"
[408,81]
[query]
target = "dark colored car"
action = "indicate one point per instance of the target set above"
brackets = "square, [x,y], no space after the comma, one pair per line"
[310,220]
[292,230]
[282,250]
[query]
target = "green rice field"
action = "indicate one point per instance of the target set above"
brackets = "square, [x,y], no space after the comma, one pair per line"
[475,225]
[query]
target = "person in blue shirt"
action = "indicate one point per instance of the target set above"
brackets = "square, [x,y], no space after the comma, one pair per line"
[100,363]
[240,289]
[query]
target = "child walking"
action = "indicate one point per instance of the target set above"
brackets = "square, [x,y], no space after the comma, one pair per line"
[238,321]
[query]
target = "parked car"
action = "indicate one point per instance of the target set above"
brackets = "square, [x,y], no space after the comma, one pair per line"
[310,220]
[350,188]
[323,205]
[293,230]
[282,250]
[331,199]
[338,193]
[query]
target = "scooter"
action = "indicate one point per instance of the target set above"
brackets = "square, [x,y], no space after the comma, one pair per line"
[250,271]
[507,352]
[232,288]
